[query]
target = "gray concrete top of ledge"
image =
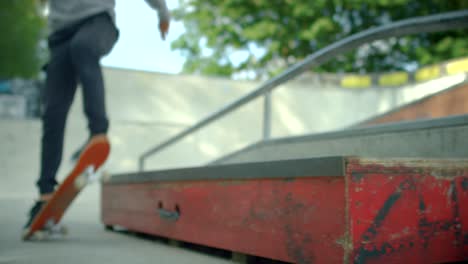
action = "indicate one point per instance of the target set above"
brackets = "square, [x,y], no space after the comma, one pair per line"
[381,129]
[283,169]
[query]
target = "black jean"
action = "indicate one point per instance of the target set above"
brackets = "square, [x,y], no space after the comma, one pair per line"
[75,54]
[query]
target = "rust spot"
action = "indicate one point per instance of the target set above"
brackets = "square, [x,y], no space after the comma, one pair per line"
[289,179]
[356,177]
[464,184]
[295,246]
[447,173]
[345,242]
[261,214]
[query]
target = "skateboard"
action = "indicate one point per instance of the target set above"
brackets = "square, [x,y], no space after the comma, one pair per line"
[46,222]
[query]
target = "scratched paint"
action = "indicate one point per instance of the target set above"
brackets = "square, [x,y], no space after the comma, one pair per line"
[295,221]
[416,216]
[393,211]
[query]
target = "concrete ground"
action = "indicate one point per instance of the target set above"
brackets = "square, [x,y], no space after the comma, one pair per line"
[87,242]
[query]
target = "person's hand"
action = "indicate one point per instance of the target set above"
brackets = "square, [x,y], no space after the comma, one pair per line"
[163,28]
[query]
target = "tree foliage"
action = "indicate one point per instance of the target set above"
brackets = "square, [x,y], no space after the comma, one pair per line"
[270,35]
[21,27]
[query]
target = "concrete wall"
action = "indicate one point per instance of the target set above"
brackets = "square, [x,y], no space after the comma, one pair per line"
[148,108]
[151,107]
[301,109]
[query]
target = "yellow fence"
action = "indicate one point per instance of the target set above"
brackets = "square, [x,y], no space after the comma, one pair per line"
[397,79]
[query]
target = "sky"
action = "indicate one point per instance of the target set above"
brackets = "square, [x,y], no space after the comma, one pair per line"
[140,46]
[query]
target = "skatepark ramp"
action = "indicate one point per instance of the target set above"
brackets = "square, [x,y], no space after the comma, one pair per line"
[391,134]
[433,23]
[411,130]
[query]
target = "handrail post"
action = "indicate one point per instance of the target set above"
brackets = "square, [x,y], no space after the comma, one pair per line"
[141,163]
[267,115]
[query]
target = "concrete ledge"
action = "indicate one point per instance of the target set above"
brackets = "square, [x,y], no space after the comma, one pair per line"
[431,138]
[328,166]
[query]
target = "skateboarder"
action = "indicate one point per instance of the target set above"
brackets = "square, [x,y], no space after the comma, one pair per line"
[81,32]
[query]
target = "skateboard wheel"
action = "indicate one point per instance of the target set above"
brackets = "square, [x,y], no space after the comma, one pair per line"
[40,235]
[25,236]
[90,171]
[80,182]
[63,230]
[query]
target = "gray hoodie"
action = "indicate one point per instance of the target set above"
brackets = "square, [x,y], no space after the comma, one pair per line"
[63,13]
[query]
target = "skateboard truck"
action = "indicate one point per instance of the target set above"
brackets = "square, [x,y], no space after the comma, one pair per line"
[89,176]
[53,228]
[50,229]
[92,174]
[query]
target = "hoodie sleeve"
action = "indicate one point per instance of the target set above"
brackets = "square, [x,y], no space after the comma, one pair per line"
[161,7]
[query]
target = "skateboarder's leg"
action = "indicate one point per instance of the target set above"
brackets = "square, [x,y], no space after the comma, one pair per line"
[59,92]
[94,39]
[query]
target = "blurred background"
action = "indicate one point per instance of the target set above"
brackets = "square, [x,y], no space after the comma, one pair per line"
[219,51]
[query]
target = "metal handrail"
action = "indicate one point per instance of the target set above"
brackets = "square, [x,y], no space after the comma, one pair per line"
[426,24]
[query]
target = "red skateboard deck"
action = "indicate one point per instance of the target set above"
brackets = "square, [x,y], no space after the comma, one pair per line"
[90,160]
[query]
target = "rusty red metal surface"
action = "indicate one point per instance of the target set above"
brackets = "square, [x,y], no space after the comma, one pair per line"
[380,211]
[402,213]
[295,220]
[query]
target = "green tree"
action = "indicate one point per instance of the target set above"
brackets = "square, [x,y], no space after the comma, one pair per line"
[21,27]
[270,35]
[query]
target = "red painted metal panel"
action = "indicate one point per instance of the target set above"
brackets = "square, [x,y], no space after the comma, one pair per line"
[405,214]
[382,211]
[301,220]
